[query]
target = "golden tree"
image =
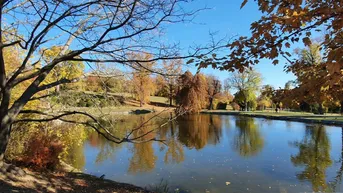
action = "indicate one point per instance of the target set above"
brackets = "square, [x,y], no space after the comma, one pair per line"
[193,93]
[142,82]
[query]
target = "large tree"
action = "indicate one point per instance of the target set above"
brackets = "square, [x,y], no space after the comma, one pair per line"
[214,88]
[172,70]
[247,84]
[94,31]
[143,85]
[193,93]
[310,72]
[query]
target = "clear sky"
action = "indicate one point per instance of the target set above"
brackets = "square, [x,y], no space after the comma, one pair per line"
[226,18]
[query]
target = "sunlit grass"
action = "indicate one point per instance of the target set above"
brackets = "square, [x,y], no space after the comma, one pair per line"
[285,114]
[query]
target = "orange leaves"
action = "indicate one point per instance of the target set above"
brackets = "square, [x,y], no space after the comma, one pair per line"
[273,53]
[307,41]
[282,24]
[42,152]
[335,67]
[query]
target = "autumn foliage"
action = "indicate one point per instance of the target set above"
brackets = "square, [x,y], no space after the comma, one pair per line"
[193,93]
[42,152]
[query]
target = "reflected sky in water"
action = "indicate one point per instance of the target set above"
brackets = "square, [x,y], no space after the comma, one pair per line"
[203,152]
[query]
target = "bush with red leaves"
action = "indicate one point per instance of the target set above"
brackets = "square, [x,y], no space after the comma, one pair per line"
[42,152]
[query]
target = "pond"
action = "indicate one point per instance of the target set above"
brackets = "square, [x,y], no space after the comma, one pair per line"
[214,153]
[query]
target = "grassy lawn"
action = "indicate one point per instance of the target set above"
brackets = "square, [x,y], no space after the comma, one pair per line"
[157,99]
[130,105]
[153,99]
[286,114]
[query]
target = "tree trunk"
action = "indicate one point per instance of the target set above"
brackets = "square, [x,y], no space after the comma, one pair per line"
[211,104]
[5,130]
[170,95]
[245,105]
[171,123]
[342,107]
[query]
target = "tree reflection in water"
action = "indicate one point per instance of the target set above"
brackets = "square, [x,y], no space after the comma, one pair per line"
[196,131]
[193,131]
[175,152]
[314,154]
[248,141]
[338,179]
[143,158]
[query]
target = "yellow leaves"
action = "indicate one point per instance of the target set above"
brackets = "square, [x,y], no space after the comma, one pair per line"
[65,70]
[142,81]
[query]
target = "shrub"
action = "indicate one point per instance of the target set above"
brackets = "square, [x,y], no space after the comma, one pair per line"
[45,144]
[42,152]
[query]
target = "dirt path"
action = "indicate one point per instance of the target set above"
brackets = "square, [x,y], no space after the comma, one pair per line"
[29,181]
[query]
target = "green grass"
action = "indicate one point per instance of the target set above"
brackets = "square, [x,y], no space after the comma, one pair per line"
[287,114]
[157,99]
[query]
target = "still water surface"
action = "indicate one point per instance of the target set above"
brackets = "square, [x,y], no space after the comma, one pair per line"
[222,154]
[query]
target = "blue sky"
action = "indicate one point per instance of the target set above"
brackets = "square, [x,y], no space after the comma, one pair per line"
[226,18]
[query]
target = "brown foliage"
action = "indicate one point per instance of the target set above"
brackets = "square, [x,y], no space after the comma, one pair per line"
[193,94]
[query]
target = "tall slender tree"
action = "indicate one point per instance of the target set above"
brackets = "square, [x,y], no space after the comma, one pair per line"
[142,82]
[172,70]
[214,88]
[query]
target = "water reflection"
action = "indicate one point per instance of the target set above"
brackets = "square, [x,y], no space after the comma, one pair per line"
[230,148]
[196,131]
[314,154]
[248,140]
[76,157]
[338,178]
[175,151]
[106,150]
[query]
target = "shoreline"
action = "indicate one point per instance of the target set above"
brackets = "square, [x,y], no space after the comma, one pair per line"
[17,179]
[314,119]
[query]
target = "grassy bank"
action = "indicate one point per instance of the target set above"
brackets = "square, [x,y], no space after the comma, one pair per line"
[327,119]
